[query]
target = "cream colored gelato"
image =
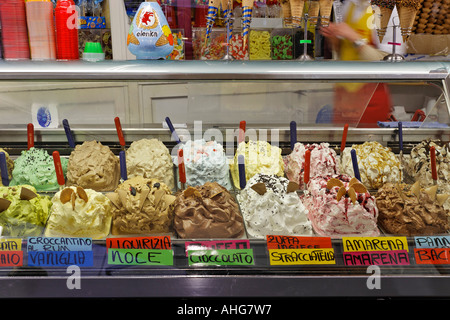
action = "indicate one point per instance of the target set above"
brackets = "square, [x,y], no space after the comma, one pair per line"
[150,158]
[271,205]
[377,164]
[260,157]
[142,206]
[93,166]
[78,212]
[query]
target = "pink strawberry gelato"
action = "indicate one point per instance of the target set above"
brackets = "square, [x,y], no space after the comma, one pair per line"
[339,206]
[323,161]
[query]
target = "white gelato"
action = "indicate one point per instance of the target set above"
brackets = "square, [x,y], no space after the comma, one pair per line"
[323,161]
[272,210]
[150,158]
[78,212]
[205,162]
[377,164]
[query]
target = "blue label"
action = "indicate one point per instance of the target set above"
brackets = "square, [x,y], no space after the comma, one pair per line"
[58,244]
[432,241]
[60,258]
[44,117]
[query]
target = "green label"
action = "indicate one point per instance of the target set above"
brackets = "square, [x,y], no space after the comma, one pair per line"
[224,257]
[305,41]
[140,257]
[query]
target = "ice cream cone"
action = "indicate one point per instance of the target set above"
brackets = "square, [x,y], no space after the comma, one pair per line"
[286,9]
[325,7]
[385,16]
[247,9]
[297,7]
[313,11]
[213,7]
[407,16]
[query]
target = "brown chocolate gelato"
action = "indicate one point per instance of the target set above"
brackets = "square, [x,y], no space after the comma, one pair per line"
[207,211]
[93,166]
[141,206]
[411,211]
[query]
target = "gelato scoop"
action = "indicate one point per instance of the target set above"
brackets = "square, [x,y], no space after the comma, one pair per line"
[260,157]
[23,212]
[78,212]
[271,205]
[205,162]
[323,161]
[150,158]
[377,164]
[141,206]
[36,167]
[93,166]
[340,206]
[409,210]
[207,211]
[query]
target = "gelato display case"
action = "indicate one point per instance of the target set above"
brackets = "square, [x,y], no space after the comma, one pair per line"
[310,198]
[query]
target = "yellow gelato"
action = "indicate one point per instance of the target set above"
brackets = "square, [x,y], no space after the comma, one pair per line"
[260,157]
[78,212]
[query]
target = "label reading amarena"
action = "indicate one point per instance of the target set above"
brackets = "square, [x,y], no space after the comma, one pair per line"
[140,257]
[432,249]
[226,257]
[363,251]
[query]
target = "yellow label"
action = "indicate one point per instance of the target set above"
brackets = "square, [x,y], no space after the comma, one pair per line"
[10,244]
[301,256]
[352,244]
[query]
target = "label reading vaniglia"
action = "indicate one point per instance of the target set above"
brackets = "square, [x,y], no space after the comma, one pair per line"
[364,251]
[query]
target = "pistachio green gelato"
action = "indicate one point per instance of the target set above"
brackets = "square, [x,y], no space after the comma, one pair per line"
[23,218]
[36,167]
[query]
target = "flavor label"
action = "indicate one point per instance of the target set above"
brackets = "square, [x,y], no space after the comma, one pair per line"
[432,250]
[217,245]
[301,256]
[363,251]
[140,257]
[297,242]
[59,251]
[298,250]
[10,244]
[60,258]
[146,243]
[58,244]
[11,258]
[221,257]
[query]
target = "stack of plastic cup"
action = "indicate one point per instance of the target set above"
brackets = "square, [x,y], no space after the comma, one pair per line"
[14,30]
[93,52]
[41,29]
[66,23]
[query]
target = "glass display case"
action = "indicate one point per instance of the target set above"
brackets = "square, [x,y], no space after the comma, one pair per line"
[209,99]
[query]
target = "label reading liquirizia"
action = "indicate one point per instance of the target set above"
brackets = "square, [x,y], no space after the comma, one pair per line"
[150,251]
[432,249]
[59,251]
[299,250]
[364,251]
[11,254]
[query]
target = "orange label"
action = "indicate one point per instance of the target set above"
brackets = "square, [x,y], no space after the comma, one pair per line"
[297,242]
